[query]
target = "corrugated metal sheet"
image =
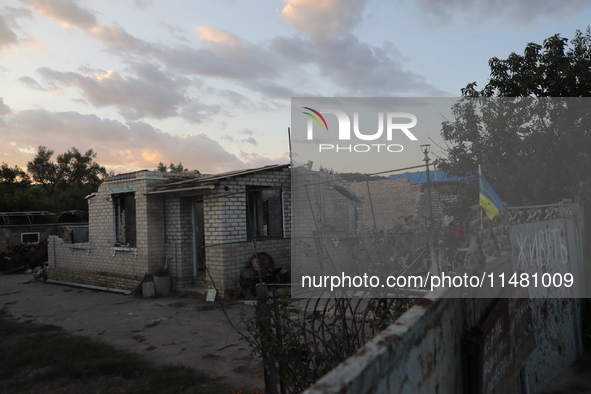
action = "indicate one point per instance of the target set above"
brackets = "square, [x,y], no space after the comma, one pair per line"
[207,179]
[421,177]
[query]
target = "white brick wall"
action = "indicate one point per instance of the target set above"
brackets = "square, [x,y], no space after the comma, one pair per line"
[164,228]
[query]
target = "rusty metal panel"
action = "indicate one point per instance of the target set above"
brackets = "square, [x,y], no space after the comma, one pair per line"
[498,349]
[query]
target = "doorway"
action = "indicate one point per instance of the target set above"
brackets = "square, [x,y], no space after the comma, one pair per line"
[197,219]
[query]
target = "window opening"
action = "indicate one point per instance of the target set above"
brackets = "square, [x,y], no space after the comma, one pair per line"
[264,212]
[125,219]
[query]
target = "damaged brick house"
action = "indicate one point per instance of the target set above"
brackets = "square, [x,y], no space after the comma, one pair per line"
[401,196]
[142,220]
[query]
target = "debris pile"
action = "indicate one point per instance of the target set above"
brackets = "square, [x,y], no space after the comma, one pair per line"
[23,257]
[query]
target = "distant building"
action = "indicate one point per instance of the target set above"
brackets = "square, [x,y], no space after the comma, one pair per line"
[401,196]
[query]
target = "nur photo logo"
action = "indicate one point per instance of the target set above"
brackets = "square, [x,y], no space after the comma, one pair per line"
[393,123]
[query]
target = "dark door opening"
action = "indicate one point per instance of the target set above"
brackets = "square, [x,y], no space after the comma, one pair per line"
[198,237]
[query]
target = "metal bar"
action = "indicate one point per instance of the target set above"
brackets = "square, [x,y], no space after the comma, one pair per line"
[375,226]
[203,187]
[91,287]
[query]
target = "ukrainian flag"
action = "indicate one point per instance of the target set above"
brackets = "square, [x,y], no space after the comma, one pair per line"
[489,201]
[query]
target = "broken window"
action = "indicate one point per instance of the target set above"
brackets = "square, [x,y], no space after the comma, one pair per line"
[29,238]
[125,231]
[264,212]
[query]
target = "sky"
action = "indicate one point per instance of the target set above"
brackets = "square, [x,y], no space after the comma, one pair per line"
[209,82]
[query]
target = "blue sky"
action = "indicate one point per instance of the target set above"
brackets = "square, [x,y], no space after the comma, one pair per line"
[208,83]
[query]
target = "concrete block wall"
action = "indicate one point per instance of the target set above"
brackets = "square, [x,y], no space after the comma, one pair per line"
[420,353]
[227,248]
[178,238]
[164,228]
[154,230]
[423,351]
[322,214]
[226,262]
[392,199]
[99,262]
[80,263]
[440,198]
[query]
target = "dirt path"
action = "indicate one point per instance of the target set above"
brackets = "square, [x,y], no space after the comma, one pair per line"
[167,330]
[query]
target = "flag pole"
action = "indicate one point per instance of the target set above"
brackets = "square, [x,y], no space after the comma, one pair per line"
[481,217]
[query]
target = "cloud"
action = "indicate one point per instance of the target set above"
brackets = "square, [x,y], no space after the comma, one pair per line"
[249,140]
[197,112]
[256,160]
[8,25]
[7,36]
[149,93]
[124,146]
[68,12]
[142,4]
[296,49]
[278,69]
[4,109]
[323,18]
[120,41]
[272,89]
[517,11]
[220,54]
[355,67]
[30,83]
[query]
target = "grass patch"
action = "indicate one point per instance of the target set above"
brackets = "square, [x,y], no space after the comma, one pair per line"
[45,358]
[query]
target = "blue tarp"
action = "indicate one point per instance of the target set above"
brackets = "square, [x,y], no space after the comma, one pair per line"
[421,177]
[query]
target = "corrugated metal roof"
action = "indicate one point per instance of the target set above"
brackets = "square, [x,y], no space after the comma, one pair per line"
[421,176]
[208,179]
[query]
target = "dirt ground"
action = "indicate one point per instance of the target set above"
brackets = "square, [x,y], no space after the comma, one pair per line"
[165,330]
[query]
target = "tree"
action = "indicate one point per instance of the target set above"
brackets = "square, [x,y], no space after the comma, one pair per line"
[161,167]
[13,175]
[69,178]
[176,169]
[26,199]
[553,69]
[15,192]
[172,167]
[70,168]
[533,149]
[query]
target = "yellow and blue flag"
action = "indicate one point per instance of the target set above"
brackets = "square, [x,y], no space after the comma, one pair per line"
[489,200]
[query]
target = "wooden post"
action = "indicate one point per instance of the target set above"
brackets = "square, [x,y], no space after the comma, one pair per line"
[264,315]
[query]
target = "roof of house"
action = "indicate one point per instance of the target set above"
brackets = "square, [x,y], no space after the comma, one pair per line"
[421,176]
[208,181]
